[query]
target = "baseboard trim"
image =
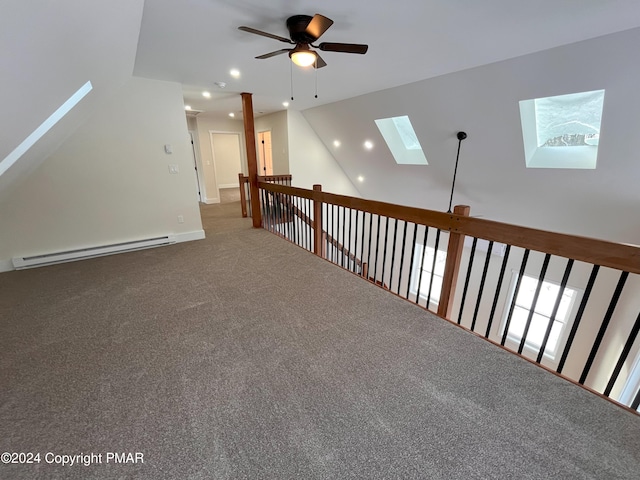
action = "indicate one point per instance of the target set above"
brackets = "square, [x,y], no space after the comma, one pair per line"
[6,266]
[78,255]
[210,201]
[229,185]
[189,236]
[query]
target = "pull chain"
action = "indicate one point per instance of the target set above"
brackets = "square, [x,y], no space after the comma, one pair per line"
[291,70]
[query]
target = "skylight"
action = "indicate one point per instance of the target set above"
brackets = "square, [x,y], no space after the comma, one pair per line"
[402,140]
[562,131]
[44,127]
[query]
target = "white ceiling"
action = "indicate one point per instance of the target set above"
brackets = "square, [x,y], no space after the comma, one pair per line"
[197,43]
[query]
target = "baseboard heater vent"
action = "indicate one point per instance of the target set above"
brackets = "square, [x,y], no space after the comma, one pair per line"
[21,263]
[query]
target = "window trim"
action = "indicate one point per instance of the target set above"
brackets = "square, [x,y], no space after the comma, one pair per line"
[513,342]
[415,271]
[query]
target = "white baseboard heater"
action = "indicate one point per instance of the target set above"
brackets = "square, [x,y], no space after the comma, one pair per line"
[20,263]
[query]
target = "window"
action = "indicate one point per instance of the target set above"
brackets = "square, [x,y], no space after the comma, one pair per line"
[421,277]
[402,140]
[562,131]
[44,127]
[542,312]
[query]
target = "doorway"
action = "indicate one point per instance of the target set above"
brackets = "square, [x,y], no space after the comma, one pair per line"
[227,161]
[265,158]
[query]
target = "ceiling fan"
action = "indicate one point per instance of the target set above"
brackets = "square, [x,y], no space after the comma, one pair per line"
[303,31]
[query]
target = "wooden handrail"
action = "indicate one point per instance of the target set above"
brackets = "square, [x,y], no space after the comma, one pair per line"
[590,250]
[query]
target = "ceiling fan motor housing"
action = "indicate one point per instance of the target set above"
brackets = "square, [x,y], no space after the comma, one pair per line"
[297,26]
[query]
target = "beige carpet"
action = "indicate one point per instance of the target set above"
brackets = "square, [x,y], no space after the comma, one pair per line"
[244,356]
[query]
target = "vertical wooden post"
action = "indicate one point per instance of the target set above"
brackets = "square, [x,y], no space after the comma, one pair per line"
[452,267]
[252,161]
[243,198]
[317,223]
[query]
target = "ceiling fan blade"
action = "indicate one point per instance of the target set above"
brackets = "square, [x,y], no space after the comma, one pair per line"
[343,47]
[264,34]
[318,25]
[273,54]
[319,61]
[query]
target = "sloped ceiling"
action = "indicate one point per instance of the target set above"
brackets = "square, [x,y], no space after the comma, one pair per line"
[49,50]
[492,175]
[196,43]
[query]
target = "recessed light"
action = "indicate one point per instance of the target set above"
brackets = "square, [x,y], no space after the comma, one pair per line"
[234,72]
[360,178]
[285,104]
[368,145]
[187,107]
[206,94]
[336,143]
[232,114]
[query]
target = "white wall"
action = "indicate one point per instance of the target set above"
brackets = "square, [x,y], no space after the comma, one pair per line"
[109,182]
[492,177]
[276,123]
[227,156]
[50,49]
[310,162]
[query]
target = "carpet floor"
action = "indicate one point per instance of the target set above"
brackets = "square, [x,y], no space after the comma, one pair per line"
[244,356]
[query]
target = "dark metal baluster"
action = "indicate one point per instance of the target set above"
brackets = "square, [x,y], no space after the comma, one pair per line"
[369,245]
[623,356]
[330,235]
[272,208]
[603,327]
[393,253]
[287,213]
[384,251]
[276,206]
[404,242]
[355,248]
[433,266]
[554,312]
[298,220]
[344,231]
[413,252]
[349,253]
[515,295]
[337,237]
[580,312]
[481,288]
[265,221]
[309,230]
[536,294]
[375,268]
[364,218]
[303,216]
[498,287]
[466,281]
[424,251]
[636,401]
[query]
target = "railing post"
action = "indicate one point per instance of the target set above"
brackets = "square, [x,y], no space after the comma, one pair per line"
[317,223]
[452,267]
[252,161]
[243,198]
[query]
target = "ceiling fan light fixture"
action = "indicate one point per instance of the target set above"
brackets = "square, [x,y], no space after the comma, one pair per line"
[303,58]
